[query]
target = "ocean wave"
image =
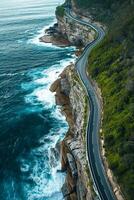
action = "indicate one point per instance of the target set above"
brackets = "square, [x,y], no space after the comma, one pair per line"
[44,165]
[46,153]
[36,39]
[43,168]
[8,74]
[42,85]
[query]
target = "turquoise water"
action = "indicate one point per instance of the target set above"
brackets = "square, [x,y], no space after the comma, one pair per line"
[31,125]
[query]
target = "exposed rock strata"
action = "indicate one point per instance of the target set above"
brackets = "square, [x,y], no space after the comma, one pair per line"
[66,32]
[54,36]
[76,33]
[71,96]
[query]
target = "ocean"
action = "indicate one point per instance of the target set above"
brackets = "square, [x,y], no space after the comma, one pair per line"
[31,125]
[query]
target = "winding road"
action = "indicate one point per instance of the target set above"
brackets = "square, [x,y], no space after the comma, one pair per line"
[100,181]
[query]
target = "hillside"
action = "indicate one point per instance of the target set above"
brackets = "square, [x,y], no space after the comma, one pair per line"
[102,10]
[112,65]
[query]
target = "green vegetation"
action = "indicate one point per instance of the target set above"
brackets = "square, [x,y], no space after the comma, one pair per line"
[86,113]
[91,3]
[60,11]
[112,65]
[102,10]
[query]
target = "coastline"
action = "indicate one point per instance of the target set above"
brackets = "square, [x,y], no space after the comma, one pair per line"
[55,150]
[53,36]
[66,109]
[60,42]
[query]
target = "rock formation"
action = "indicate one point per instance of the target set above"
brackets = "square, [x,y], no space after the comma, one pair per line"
[70,95]
[76,33]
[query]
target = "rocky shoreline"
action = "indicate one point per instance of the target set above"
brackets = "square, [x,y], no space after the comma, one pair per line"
[53,36]
[70,95]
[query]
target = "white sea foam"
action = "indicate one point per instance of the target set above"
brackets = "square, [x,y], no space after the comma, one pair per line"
[43,186]
[43,94]
[20,41]
[36,39]
[48,181]
[8,74]
[24,167]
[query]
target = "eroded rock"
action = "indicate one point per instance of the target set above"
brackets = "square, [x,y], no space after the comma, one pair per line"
[71,96]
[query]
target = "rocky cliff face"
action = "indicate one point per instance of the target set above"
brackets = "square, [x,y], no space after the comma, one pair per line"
[70,95]
[76,33]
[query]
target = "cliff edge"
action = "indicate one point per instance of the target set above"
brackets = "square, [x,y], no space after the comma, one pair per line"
[70,95]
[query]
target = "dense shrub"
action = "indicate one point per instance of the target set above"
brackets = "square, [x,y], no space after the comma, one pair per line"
[111,63]
[60,11]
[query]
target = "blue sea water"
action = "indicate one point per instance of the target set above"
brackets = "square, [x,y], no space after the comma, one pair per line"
[31,125]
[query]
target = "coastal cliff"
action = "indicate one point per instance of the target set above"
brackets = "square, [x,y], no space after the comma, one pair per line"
[65,32]
[76,33]
[71,96]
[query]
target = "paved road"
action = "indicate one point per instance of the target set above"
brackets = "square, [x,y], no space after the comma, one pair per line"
[101,184]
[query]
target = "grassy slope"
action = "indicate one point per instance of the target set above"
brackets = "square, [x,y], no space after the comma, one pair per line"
[112,65]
